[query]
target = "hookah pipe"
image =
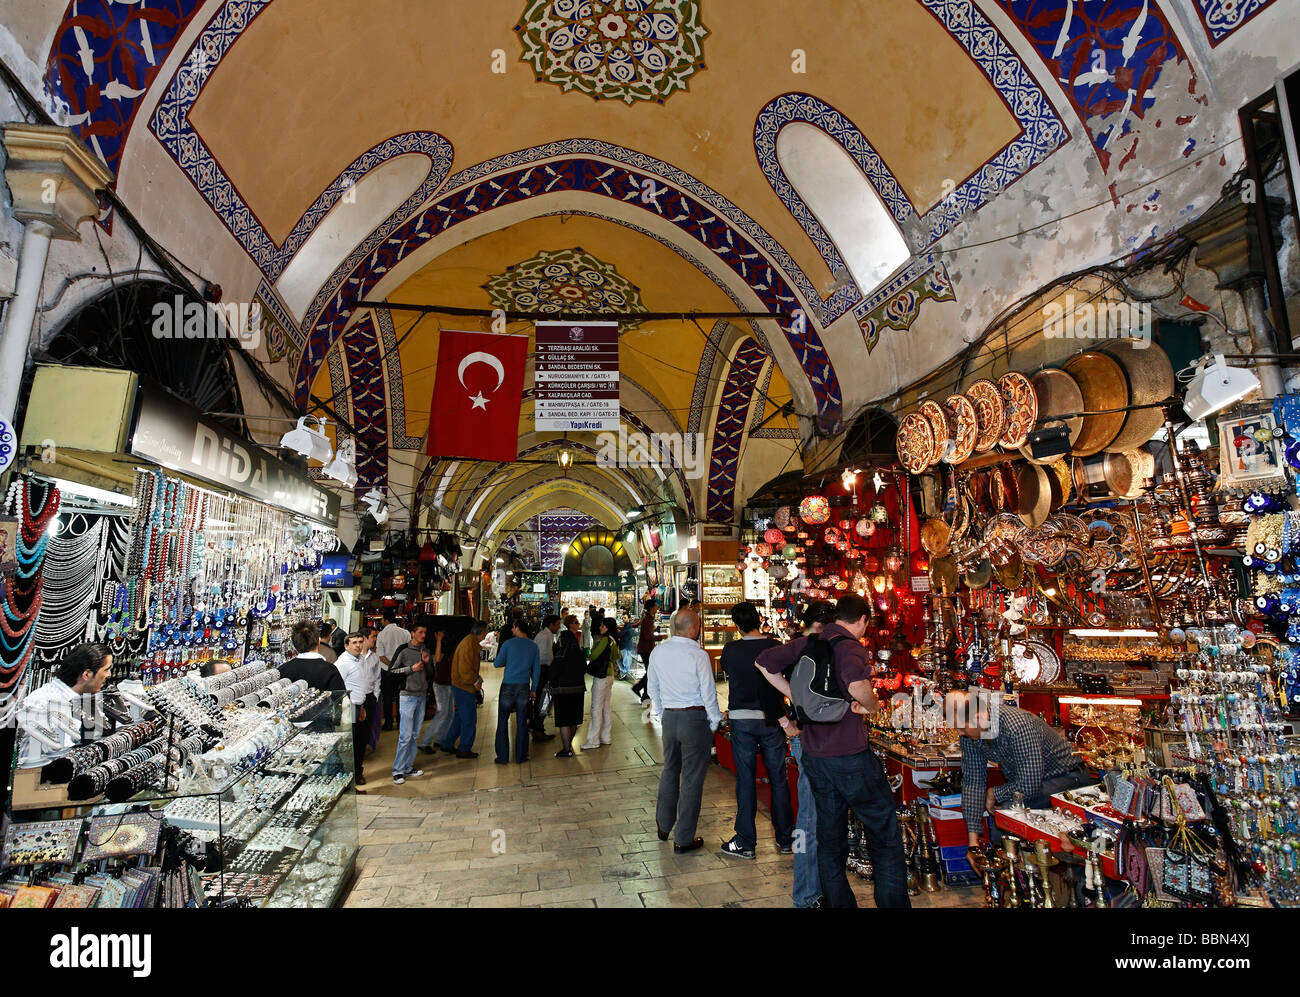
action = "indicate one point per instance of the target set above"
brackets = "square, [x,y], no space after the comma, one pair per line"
[930,867]
[1043,859]
[1011,846]
[1093,877]
[905,820]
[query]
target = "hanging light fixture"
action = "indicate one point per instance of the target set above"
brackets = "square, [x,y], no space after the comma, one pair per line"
[309,443]
[344,465]
[565,459]
[849,478]
[815,510]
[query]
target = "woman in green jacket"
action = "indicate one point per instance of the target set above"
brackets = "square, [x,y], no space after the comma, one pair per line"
[600,666]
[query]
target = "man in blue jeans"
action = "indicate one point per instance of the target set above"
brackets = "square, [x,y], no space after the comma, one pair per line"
[410,666]
[842,769]
[807,891]
[754,712]
[523,674]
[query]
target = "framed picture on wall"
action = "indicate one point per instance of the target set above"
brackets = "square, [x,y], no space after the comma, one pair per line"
[1249,453]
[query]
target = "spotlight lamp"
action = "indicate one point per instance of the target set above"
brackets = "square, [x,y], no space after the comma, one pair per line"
[1214,386]
[307,441]
[344,465]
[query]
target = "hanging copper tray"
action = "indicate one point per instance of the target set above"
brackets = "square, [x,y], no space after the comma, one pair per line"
[915,442]
[990,413]
[943,576]
[936,536]
[1150,379]
[962,418]
[935,415]
[1104,386]
[1011,574]
[1035,495]
[1020,403]
[1058,394]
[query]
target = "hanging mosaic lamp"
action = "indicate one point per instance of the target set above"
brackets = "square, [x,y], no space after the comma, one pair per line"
[894,560]
[878,514]
[789,552]
[842,546]
[762,550]
[815,510]
[846,525]
[774,537]
[779,572]
[802,534]
[864,527]
[784,517]
[832,535]
[841,585]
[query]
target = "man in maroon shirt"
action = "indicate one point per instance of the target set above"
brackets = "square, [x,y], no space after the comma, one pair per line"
[842,768]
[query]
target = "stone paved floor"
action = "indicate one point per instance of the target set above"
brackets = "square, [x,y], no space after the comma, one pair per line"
[559,832]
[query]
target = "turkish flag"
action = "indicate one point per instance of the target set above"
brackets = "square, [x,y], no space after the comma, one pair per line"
[477,396]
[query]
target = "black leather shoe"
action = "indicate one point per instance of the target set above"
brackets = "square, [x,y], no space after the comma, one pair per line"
[543,736]
[663,835]
[694,845]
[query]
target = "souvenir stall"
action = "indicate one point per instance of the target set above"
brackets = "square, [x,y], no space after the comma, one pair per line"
[195,756]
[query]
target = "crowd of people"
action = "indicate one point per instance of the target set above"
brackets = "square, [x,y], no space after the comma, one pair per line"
[548,667]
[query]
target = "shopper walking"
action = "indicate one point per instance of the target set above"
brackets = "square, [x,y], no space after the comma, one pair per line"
[807,891]
[754,711]
[465,686]
[374,686]
[627,648]
[409,669]
[842,769]
[644,645]
[519,684]
[545,641]
[352,669]
[443,702]
[600,666]
[390,639]
[683,692]
[567,685]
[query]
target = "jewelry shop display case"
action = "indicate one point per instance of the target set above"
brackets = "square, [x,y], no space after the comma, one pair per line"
[267,819]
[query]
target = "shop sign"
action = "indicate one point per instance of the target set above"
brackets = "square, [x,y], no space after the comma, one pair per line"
[177,437]
[717,531]
[575,377]
[920,583]
[598,583]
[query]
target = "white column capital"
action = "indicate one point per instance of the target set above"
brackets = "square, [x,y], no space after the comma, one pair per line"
[52,177]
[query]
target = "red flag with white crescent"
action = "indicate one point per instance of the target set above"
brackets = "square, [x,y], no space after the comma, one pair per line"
[477,395]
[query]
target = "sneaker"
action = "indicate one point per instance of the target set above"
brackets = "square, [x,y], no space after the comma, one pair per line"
[735,850]
[785,849]
[604,744]
[590,747]
[415,773]
[398,779]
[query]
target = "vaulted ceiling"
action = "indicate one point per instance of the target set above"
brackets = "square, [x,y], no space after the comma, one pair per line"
[626,155]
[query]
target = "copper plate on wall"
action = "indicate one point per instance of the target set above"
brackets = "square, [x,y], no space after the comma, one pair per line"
[1058,394]
[934,414]
[1035,494]
[1150,379]
[961,416]
[943,576]
[990,414]
[1021,405]
[915,442]
[1104,386]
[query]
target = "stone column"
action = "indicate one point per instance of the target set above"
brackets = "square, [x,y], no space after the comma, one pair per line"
[1226,244]
[54,182]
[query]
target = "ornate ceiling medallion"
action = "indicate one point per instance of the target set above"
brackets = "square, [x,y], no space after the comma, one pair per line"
[564,280]
[627,50]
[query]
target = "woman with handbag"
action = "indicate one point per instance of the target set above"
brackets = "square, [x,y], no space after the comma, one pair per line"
[567,685]
[600,666]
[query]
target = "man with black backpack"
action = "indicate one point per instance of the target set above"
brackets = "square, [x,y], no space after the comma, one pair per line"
[829,686]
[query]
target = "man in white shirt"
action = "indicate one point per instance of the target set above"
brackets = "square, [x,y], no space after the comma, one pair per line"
[374,685]
[51,717]
[683,692]
[355,679]
[545,641]
[390,639]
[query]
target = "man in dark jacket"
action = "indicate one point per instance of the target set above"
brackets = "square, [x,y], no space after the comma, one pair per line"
[845,773]
[309,664]
[754,711]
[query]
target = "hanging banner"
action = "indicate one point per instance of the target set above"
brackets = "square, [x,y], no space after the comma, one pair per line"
[576,377]
[477,394]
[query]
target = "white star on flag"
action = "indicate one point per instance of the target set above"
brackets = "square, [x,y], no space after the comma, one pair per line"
[479,401]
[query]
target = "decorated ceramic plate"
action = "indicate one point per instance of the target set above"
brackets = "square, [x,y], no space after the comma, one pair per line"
[990,413]
[915,443]
[1021,403]
[935,415]
[962,417]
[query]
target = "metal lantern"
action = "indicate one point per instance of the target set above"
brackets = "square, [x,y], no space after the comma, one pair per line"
[894,560]
[815,510]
